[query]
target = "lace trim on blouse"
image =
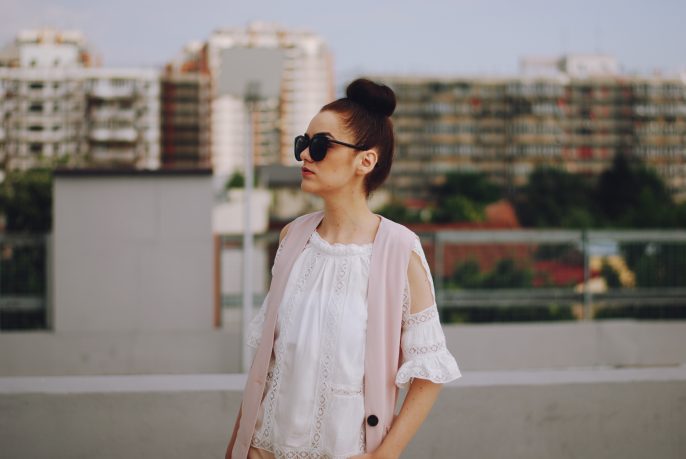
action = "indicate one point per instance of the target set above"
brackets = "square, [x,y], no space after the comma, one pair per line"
[263,438]
[337,248]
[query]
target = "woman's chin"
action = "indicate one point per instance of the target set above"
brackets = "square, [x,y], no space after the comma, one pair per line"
[307,187]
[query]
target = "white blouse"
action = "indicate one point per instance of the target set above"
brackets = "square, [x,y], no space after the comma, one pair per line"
[313,404]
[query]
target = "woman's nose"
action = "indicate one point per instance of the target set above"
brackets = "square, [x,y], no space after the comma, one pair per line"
[305,155]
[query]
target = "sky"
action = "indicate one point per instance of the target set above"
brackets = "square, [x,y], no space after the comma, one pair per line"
[460,37]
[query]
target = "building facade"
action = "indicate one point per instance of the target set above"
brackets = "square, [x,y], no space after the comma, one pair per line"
[55,106]
[285,75]
[185,117]
[505,127]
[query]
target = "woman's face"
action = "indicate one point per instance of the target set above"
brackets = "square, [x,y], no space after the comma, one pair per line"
[343,168]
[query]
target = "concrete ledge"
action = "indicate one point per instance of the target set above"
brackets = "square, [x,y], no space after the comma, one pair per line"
[613,343]
[582,412]
[111,353]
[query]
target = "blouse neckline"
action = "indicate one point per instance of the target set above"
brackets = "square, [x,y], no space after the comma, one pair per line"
[338,248]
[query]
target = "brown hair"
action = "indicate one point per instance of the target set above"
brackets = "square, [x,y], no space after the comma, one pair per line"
[366,110]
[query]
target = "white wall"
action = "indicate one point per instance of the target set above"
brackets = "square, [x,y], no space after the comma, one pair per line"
[133,252]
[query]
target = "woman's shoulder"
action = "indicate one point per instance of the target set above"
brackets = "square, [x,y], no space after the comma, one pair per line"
[298,220]
[398,230]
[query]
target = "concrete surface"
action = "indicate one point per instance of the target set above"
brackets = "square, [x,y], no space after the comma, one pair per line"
[573,413]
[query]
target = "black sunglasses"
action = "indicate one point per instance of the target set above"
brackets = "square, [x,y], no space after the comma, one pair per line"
[319,144]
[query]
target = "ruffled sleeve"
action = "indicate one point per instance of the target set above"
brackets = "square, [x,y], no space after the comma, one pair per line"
[423,348]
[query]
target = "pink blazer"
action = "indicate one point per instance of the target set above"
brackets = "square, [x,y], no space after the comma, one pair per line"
[390,257]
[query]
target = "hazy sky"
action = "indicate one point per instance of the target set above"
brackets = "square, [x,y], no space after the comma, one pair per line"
[419,37]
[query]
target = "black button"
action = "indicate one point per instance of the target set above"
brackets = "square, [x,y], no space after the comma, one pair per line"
[372,420]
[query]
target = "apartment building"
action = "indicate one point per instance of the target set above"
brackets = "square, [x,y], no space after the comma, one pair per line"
[575,112]
[185,118]
[286,73]
[55,105]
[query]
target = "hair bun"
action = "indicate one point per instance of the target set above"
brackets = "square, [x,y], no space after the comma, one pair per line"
[377,98]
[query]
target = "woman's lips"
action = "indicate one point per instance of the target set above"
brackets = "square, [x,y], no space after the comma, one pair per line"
[306,172]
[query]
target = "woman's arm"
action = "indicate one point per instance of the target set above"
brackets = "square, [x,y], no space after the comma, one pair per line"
[418,402]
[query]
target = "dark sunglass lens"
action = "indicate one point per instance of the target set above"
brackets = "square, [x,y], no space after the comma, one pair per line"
[318,147]
[301,143]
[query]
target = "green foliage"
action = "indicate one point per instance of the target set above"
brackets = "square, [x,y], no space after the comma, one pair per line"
[626,195]
[463,197]
[656,264]
[505,274]
[236,181]
[23,270]
[397,212]
[26,200]
[474,186]
[458,208]
[553,197]
[467,275]
[633,195]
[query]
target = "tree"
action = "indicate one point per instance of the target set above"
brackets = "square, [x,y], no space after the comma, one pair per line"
[554,197]
[26,200]
[398,212]
[463,197]
[236,181]
[631,195]
[471,185]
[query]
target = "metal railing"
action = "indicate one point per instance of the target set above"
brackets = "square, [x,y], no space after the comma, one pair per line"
[548,274]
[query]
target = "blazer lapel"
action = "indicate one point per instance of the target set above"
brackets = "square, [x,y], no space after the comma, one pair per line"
[298,235]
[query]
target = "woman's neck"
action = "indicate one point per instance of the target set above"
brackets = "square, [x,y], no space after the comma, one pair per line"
[348,221]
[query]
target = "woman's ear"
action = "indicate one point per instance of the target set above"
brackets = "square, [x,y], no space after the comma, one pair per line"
[369,160]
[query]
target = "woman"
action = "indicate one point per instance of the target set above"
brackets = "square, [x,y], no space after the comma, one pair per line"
[350,315]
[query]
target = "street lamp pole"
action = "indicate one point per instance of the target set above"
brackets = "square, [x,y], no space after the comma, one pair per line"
[251,97]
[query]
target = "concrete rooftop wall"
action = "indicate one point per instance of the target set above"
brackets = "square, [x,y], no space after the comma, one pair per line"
[132,251]
[591,413]
[475,347]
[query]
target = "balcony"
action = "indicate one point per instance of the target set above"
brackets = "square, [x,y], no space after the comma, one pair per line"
[105,114]
[113,135]
[41,136]
[111,92]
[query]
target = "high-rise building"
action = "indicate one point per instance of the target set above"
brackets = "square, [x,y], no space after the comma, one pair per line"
[287,73]
[576,114]
[55,105]
[185,119]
